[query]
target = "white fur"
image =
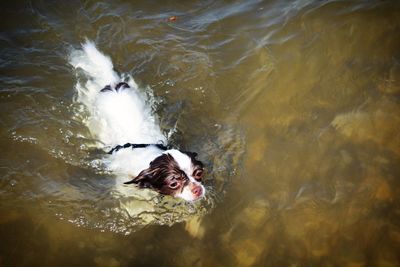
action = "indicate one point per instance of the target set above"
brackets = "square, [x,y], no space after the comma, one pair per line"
[116,118]
[183,160]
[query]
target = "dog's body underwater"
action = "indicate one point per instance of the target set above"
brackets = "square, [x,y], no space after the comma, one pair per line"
[121,118]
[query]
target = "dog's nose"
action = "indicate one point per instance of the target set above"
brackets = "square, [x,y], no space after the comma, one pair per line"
[197,191]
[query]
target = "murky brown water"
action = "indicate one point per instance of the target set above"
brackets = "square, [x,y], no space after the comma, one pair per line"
[293,106]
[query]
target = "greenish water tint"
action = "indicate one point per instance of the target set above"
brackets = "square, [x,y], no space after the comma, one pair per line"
[292,105]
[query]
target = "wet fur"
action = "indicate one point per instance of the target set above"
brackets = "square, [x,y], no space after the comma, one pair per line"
[120,114]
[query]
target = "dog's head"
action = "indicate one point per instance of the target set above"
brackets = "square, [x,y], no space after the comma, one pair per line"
[174,173]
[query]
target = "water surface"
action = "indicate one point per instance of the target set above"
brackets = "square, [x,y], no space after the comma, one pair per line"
[292,105]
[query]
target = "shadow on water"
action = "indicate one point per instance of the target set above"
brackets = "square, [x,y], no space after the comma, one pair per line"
[293,106]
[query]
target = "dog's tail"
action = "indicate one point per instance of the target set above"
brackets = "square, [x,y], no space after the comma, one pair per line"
[96,65]
[97,70]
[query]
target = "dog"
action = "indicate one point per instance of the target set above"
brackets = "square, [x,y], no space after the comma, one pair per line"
[121,118]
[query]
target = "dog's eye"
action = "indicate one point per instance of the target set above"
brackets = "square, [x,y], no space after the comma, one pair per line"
[197,174]
[174,185]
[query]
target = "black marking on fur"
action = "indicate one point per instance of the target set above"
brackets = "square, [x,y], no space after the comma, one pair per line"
[117,88]
[106,89]
[133,146]
[121,86]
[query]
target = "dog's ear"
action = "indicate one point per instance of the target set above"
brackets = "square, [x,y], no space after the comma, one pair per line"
[154,176]
[143,180]
[191,154]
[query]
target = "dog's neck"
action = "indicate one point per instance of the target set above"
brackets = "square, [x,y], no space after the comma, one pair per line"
[132,161]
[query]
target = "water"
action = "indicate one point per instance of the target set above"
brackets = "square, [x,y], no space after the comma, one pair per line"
[292,105]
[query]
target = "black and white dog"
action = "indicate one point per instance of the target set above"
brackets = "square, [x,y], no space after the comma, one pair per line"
[121,118]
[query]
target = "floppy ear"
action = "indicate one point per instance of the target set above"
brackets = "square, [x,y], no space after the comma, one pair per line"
[143,180]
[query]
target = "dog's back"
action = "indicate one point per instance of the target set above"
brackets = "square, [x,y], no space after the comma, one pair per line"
[118,112]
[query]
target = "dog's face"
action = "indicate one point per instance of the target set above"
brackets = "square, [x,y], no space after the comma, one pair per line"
[174,173]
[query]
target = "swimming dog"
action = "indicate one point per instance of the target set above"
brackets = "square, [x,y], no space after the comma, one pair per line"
[120,117]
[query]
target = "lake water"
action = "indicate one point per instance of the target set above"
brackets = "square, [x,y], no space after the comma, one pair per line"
[293,106]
